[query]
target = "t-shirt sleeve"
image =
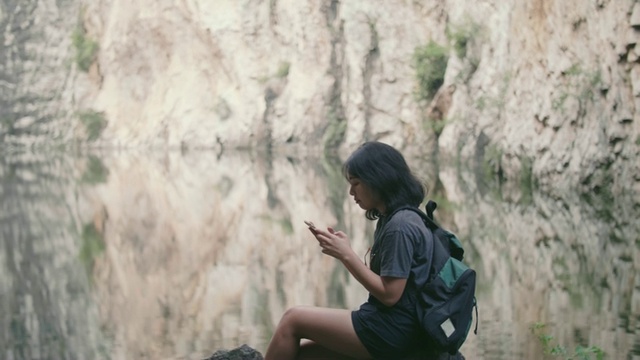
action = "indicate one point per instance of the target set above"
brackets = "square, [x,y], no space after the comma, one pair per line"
[396,255]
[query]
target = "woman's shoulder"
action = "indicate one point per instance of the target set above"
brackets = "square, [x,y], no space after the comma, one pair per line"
[404,219]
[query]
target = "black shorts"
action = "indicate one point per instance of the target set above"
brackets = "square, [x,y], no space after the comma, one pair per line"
[386,333]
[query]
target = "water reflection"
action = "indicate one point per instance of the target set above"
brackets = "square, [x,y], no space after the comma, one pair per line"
[46,300]
[174,255]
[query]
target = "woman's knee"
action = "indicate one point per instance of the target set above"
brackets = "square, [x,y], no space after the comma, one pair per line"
[292,317]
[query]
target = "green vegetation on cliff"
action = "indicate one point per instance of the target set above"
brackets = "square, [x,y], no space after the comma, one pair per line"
[430,63]
[86,49]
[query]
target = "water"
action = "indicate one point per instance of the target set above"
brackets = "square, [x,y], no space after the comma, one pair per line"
[173,255]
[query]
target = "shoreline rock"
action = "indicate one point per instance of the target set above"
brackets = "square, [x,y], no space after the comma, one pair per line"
[243,352]
[246,352]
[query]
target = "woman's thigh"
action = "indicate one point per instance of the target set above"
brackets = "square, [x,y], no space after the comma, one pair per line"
[329,328]
[310,350]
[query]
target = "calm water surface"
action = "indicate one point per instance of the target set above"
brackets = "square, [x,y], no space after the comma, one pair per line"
[174,255]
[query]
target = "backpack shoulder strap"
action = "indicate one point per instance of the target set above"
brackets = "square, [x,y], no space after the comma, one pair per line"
[430,207]
[450,242]
[426,218]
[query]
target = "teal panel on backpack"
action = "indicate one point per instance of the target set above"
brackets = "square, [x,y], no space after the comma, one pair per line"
[451,272]
[455,246]
[456,242]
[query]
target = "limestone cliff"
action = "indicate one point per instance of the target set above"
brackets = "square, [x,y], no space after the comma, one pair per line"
[535,89]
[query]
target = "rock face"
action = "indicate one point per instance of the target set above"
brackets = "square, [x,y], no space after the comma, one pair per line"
[542,90]
[35,77]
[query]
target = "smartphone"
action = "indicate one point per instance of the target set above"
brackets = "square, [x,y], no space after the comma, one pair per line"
[310,224]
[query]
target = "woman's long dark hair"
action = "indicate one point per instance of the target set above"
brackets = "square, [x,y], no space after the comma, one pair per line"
[384,170]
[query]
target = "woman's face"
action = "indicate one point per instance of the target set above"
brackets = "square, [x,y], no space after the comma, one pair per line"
[364,196]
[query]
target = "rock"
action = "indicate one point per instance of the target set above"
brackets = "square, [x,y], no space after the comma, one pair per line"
[244,352]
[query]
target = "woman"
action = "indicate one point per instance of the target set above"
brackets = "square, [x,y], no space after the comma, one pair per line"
[386,326]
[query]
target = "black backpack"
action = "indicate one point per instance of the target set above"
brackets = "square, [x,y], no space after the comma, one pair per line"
[446,302]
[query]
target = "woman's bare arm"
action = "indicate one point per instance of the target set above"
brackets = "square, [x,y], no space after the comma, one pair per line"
[336,244]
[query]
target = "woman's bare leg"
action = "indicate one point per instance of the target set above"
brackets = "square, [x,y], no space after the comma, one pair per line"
[327,328]
[310,350]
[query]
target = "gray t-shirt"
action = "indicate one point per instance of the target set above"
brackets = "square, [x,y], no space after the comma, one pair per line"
[402,248]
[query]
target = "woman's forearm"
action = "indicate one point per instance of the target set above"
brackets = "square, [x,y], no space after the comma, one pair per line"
[336,243]
[387,290]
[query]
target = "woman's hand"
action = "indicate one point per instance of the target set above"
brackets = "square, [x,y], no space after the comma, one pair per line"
[333,243]
[336,244]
